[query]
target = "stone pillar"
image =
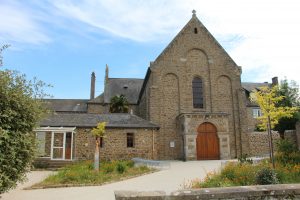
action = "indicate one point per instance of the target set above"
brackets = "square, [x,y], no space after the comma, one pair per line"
[298,134]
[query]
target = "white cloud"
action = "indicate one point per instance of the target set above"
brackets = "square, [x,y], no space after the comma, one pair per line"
[265,33]
[259,35]
[18,25]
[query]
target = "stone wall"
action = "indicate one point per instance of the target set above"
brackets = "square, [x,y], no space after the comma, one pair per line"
[298,134]
[259,143]
[262,192]
[115,144]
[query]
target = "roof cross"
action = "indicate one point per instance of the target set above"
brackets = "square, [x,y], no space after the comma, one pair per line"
[194,13]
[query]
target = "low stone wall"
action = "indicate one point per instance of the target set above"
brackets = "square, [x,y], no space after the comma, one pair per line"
[282,191]
[259,143]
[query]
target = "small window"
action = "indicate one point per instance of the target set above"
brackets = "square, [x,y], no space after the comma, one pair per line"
[101,142]
[256,112]
[195,30]
[130,140]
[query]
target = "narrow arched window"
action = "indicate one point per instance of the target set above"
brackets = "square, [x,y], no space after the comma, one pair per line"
[197,92]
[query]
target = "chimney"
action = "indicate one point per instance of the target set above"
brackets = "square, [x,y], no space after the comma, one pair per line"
[274,81]
[93,80]
[106,73]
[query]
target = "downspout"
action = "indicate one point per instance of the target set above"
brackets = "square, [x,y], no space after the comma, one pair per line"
[153,144]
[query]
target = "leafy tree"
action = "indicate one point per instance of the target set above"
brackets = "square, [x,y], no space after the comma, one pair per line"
[290,91]
[2,49]
[98,132]
[119,104]
[267,99]
[20,110]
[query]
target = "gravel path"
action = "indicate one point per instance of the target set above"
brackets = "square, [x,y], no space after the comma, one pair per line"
[167,180]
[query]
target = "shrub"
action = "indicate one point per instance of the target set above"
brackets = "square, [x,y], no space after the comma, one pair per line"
[266,176]
[286,147]
[121,168]
[287,153]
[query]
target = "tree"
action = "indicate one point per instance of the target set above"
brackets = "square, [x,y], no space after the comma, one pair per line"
[119,104]
[20,110]
[267,99]
[290,91]
[1,50]
[98,132]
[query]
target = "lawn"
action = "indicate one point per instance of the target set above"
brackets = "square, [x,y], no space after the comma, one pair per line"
[83,174]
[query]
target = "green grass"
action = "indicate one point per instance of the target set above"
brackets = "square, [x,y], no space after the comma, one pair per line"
[82,173]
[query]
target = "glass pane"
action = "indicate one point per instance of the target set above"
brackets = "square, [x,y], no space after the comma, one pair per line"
[40,140]
[57,153]
[197,93]
[58,140]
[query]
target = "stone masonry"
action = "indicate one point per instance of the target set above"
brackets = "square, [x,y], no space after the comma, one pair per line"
[115,144]
[168,93]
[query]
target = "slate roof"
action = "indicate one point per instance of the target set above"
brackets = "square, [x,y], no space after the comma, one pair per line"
[98,99]
[252,86]
[67,105]
[114,120]
[130,87]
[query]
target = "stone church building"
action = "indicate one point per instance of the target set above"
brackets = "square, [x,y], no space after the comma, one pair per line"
[191,105]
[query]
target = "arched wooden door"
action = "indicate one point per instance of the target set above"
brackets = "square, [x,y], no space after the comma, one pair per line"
[207,142]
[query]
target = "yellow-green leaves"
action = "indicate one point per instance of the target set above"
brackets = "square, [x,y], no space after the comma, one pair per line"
[99,131]
[267,99]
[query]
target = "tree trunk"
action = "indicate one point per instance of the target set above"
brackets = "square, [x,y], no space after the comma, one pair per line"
[97,155]
[271,143]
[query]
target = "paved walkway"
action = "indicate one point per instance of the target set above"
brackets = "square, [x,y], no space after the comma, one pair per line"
[167,180]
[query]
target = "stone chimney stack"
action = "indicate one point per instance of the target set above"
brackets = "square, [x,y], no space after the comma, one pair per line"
[93,80]
[274,81]
[106,74]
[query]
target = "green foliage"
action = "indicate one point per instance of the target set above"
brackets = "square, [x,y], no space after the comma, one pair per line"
[242,174]
[119,104]
[244,159]
[268,99]
[1,50]
[20,110]
[100,130]
[108,168]
[290,91]
[285,146]
[84,173]
[266,176]
[121,168]
[287,153]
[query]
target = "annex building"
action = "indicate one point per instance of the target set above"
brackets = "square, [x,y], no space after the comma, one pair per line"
[191,105]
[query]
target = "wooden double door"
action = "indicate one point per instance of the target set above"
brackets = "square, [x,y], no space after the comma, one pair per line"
[207,142]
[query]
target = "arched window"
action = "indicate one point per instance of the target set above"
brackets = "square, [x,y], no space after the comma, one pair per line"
[197,92]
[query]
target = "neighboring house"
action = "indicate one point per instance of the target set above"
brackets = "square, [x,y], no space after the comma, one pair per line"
[191,105]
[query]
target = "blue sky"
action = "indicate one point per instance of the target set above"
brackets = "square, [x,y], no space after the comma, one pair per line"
[62,41]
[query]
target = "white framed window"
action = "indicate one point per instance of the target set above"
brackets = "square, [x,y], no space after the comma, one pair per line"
[256,112]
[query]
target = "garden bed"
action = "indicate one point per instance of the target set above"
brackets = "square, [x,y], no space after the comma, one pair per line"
[83,174]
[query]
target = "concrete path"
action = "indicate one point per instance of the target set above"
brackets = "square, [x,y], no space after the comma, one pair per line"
[166,180]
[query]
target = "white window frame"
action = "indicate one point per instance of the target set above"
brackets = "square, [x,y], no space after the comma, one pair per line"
[256,112]
[62,130]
